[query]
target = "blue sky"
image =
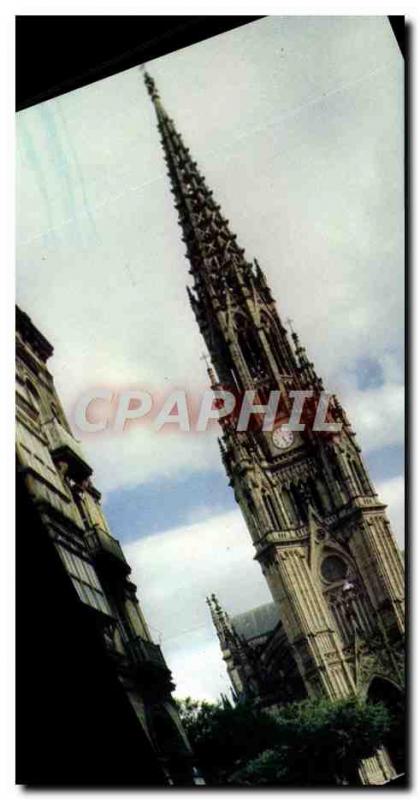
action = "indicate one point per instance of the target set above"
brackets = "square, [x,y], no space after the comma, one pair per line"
[171,502]
[297,124]
[150,507]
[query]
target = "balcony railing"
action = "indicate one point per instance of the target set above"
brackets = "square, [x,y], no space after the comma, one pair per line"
[143,653]
[64,447]
[101,543]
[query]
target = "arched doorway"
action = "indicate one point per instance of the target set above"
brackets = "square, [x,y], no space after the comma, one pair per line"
[384,691]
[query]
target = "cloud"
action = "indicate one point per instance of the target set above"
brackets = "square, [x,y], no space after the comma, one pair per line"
[392,492]
[141,455]
[377,415]
[175,570]
[198,668]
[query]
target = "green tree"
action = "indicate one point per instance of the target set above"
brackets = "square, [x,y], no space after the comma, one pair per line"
[312,743]
[319,743]
[224,736]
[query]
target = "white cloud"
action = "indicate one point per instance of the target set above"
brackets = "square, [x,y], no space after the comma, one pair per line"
[175,571]
[140,454]
[197,666]
[392,492]
[377,415]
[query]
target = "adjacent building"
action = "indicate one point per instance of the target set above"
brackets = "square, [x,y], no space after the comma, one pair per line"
[257,654]
[94,702]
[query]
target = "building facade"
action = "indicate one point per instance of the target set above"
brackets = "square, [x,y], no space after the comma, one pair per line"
[258,656]
[94,702]
[320,531]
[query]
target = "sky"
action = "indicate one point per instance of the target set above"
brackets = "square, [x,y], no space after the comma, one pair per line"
[297,124]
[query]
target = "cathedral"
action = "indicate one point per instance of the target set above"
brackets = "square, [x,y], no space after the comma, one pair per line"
[94,693]
[320,531]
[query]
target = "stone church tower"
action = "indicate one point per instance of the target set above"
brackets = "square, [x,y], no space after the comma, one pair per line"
[320,531]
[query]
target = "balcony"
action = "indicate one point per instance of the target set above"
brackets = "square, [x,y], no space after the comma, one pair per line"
[104,547]
[64,448]
[148,658]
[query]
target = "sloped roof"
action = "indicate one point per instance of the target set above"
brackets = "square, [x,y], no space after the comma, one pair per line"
[257,622]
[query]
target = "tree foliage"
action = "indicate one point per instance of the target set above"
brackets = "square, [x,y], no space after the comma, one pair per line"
[311,743]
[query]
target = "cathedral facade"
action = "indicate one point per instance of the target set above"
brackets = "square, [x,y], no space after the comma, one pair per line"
[320,530]
[94,693]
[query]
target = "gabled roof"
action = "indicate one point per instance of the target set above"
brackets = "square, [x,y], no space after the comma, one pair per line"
[257,622]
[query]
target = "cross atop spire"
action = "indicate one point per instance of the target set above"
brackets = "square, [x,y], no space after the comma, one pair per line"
[289,323]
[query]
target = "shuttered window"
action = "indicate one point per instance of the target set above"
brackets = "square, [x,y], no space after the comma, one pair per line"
[85,580]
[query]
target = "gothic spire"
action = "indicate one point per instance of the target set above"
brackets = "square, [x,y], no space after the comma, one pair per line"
[221,620]
[217,262]
[228,293]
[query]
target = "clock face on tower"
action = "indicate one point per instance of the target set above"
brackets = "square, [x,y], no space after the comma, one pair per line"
[282,439]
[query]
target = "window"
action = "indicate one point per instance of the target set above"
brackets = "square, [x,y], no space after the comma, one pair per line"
[25,400]
[288,506]
[355,476]
[33,391]
[85,580]
[137,623]
[271,511]
[250,347]
[299,501]
[333,569]
[316,497]
[273,341]
[359,477]
[35,454]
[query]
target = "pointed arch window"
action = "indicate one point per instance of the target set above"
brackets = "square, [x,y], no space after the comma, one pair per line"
[324,493]
[316,496]
[349,603]
[273,341]
[340,479]
[250,347]
[288,506]
[357,477]
[251,509]
[297,495]
[271,511]
[222,358]
[361,477]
